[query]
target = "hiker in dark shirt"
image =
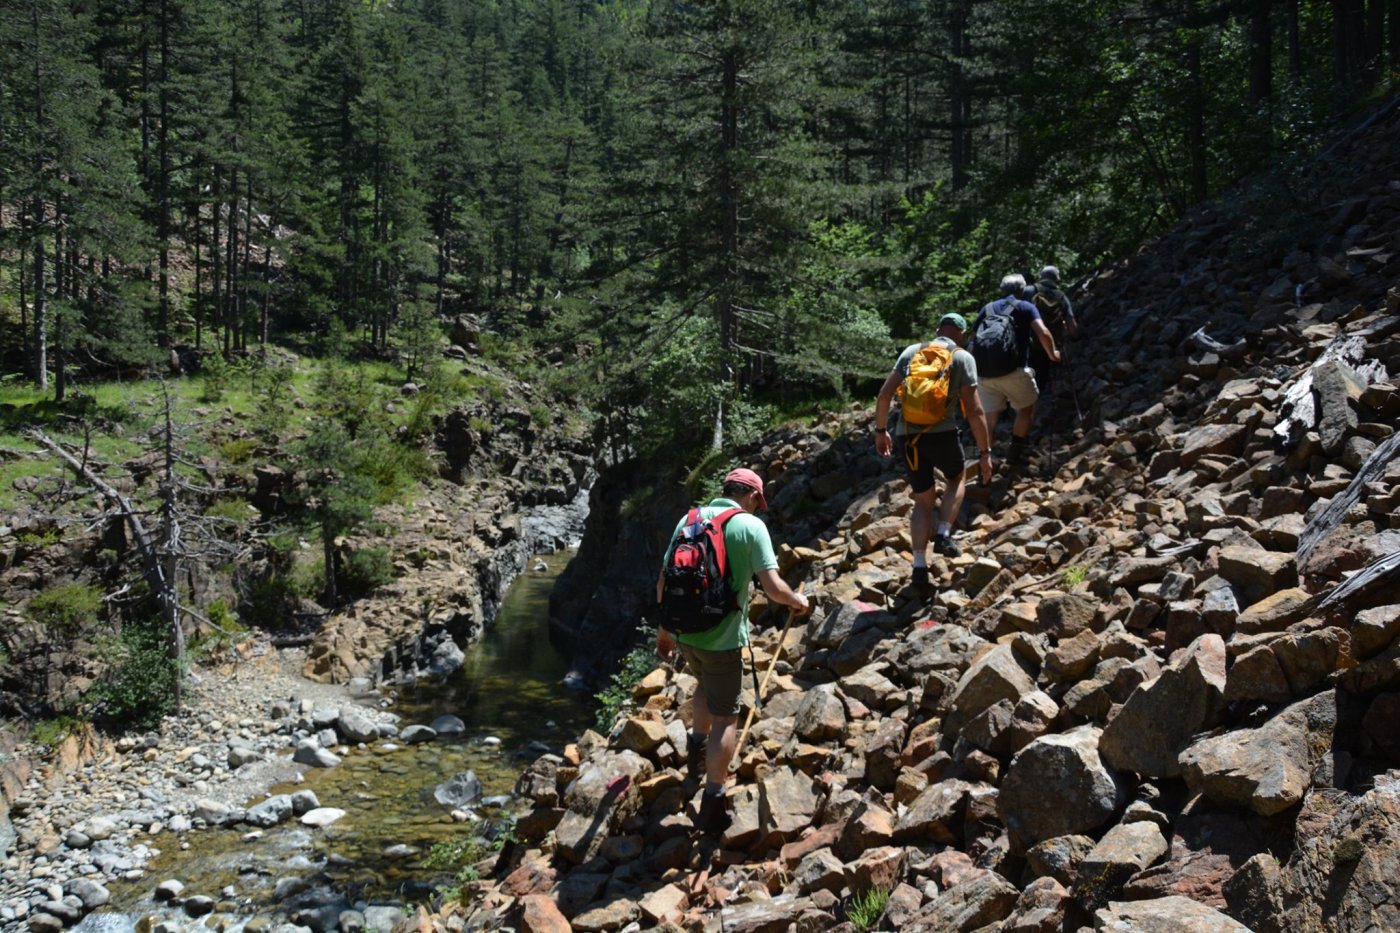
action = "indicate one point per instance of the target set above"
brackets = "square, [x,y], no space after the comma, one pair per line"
[1057,312]
[1001,341]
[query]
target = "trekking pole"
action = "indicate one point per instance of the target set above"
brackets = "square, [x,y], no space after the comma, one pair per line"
[759,690]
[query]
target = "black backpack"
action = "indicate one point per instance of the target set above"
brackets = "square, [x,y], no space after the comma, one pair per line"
[994,340]
[1050,302]
[697,595]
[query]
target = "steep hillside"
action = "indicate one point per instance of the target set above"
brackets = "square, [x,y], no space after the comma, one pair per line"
[1158,689]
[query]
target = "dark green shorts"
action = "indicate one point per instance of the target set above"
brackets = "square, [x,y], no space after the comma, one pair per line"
[721,674]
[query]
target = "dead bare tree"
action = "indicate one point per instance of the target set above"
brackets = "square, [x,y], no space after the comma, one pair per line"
[166,552]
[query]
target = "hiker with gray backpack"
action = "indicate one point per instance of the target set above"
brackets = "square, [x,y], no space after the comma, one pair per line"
[1001,342]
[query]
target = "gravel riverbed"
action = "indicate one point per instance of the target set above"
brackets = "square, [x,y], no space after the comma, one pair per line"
[248,723]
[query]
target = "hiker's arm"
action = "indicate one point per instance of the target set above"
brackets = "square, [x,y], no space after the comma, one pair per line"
[977,420]
[883,446]
[1047,340]
[780,592]
[1071,325]
[665,642]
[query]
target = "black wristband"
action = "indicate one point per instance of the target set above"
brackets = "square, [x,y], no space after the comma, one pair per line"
[882,430]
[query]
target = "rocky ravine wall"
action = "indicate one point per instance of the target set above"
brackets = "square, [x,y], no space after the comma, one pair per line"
[459,545]
[1158,690]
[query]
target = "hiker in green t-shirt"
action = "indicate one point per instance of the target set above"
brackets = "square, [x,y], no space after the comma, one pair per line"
[714,656]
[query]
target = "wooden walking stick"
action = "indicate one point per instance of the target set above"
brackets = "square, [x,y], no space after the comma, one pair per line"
[760,690]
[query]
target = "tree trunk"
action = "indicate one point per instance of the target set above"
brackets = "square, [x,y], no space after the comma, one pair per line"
[163,171]
[1196,118]
[1260,54]
[328,555]
[1295,47]
[41,310]
[959,105]
[41,321]
[60,336]
[216,270]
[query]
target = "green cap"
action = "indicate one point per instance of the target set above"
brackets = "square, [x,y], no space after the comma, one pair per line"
[957,320]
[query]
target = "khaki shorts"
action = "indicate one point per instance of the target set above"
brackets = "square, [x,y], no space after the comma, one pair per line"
[1016,387]
[721,674]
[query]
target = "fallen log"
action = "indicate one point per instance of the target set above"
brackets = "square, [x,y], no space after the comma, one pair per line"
[1326,521]
[1378,573]
[1208,344]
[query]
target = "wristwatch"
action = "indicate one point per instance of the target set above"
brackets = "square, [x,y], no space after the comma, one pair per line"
[984,453]
[882,430]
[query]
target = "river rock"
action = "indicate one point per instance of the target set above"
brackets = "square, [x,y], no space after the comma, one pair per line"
[309,752]
[357,724]
[275,809]
[449,725]
[461,790]
[417,734]
[322,817]
[92,894]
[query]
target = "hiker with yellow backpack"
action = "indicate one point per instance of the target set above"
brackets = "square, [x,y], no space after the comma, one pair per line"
[934,380]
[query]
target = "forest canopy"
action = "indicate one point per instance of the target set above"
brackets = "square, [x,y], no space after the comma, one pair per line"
[697,202]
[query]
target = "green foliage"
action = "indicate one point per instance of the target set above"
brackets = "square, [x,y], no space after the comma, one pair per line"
[865,909]
[67,607]
[459,854]
[39,539]
[229,630]
[217,377]
[1073,576]
[364,570]
[236,510]
[270,385]
[238,449]
[139,687]
[635,665]
[49,732]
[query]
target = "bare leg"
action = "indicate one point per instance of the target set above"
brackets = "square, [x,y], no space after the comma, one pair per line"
[701,722]
[720,750]
[952,499]
[921,519]
[1024,416]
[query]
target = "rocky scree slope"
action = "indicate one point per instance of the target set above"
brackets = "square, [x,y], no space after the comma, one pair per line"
[1158,690]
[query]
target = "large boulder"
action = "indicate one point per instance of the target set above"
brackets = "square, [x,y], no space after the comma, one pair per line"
[1164,915]
[1160,716]
[1059,785]
[1267,769]
[997,675]
[1341,875]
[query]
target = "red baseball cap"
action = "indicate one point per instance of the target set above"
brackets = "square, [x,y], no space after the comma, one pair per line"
[749,478]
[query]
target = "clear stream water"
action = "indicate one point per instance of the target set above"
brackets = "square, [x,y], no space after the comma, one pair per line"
[509,695]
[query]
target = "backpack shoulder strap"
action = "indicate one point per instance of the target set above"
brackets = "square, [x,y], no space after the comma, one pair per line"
[723,517]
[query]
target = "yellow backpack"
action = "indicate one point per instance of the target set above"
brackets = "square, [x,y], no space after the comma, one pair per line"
[923,396]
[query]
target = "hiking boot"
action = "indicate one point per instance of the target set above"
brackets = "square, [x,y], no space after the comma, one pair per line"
[714,816]
[920,580]
[945,545]
[695,755]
